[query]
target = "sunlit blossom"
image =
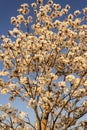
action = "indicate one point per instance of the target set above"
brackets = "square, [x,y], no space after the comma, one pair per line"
[4,91]
[22,114]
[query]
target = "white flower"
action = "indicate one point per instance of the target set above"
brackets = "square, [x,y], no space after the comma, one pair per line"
[3,73]
[25,5]
[40,1]
[34,5]
[4,91]
[66,90]
[70,78]
[22,114]
[13,20]
[67,7]
[8,105]
[82,90]
[26,128]
[23,80]
[85,83]
[31,102]
[85,10]
[62,83]
[12,85]
[20,18]
[44,99]
[77,12]
[49,94]
[76,81]
[84,103]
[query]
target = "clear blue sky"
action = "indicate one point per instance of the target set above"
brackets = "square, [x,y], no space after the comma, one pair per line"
[9,8]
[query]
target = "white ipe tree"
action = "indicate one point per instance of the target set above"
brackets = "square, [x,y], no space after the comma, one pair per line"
[46,67]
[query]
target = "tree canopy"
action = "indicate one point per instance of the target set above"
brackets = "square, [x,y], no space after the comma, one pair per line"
[45,65]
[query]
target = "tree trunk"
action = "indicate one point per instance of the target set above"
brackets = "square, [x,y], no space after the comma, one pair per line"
[38,125]
[44,122]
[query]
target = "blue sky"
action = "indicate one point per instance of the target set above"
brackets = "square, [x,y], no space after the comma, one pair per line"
[8,8]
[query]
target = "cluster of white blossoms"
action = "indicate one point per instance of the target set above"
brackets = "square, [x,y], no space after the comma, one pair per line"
[10,115]
[45,65]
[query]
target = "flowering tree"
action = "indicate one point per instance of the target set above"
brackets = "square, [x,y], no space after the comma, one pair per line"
[46,67]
